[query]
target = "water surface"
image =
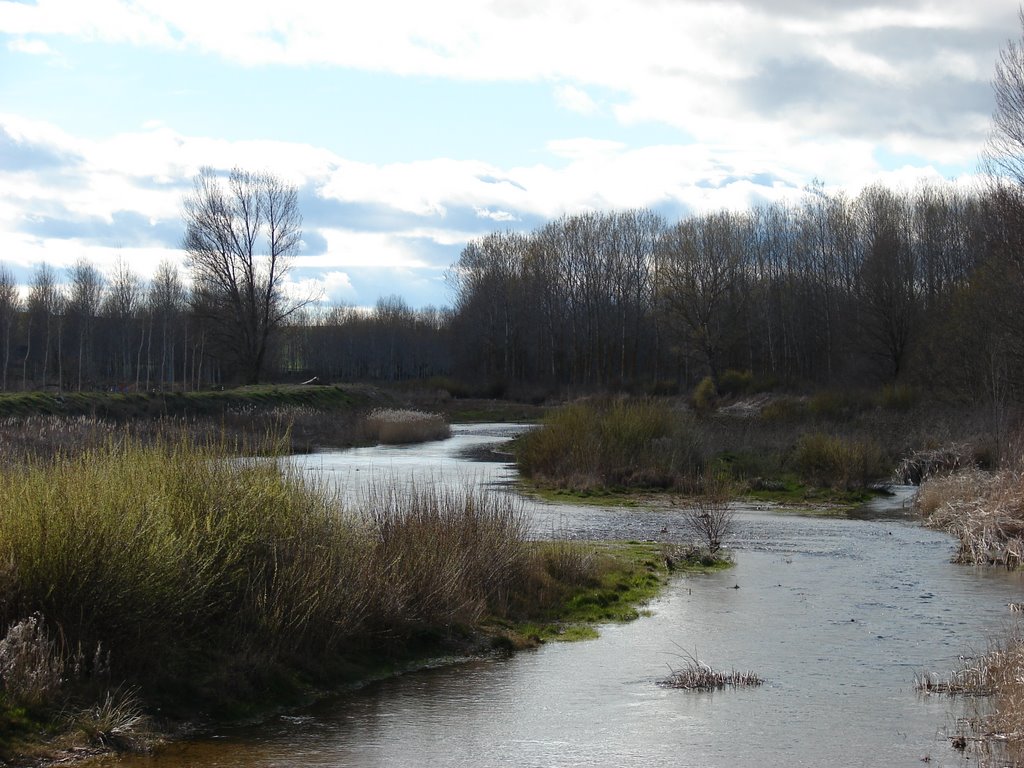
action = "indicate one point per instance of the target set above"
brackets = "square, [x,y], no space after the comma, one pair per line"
[837,613]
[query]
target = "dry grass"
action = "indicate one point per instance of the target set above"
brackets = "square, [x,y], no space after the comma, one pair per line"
[695,675]
[984,510]
[31,666]
[997,728]
[393,426]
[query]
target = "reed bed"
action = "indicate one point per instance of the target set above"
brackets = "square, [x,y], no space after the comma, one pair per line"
[695,675]
[984,510]
[395,426]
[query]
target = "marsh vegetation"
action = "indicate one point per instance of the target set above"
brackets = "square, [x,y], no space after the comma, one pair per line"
[167,573]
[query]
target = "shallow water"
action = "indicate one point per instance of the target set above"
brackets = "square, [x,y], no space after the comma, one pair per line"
[838,614]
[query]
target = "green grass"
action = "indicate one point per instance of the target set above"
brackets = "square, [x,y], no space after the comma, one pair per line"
[621,578]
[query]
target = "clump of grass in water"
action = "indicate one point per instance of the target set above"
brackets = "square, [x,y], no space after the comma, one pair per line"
[394,426]
[997,728]
[695,675]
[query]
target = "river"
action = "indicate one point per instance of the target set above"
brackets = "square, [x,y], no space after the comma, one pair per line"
[836,613]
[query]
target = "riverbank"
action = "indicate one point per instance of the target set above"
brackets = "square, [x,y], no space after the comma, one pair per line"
[985,512]
[165,577]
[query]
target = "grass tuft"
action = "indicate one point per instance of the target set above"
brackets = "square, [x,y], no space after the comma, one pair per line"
[695,675]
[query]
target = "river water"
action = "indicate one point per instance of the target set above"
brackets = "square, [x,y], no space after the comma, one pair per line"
[836,613]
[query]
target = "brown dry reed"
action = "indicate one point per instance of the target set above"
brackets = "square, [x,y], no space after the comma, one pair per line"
[395,426]
[984,510]
[695,675]
[997,728]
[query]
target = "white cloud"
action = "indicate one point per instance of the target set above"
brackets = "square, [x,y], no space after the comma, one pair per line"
[32,47]
[575,100]
[769,74]
[494,215]
[348,248]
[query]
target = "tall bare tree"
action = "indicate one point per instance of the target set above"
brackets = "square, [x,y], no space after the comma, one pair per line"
[10,304]
[1004,153]
[240,236]
[83,307]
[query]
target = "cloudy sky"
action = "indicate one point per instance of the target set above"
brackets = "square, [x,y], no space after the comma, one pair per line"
[412,127]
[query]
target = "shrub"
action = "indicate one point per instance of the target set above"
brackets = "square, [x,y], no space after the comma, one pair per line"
[733,383]
[897,397]
[710,518]
[838,462]
[705,396]
[838,405]
[618,443]
[783,410]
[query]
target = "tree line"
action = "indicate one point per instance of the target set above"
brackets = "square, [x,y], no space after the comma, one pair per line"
[921,287]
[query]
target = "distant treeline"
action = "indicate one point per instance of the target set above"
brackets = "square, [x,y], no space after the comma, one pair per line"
[923,287]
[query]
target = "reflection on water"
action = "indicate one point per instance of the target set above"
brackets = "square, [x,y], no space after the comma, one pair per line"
[836,614]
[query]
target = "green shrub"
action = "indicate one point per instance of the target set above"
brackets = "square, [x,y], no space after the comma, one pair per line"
[734,383]
[897,397]
[783,410]
[839,405]
[705,396]
[838,462]
[196,572]
[617,443]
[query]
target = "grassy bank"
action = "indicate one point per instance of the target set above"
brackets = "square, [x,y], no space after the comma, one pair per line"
[165,575]
[780,449]
[984,510]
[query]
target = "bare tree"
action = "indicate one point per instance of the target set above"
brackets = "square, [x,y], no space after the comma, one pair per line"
[122,306]
[240,237]
[710,519]
[9,306]
[83,307]
[167,302]
[1004,153]
[45,302]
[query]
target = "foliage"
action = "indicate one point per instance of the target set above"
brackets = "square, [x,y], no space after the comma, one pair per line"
[613,443]
[705,395]
[838,462]
[734,383]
